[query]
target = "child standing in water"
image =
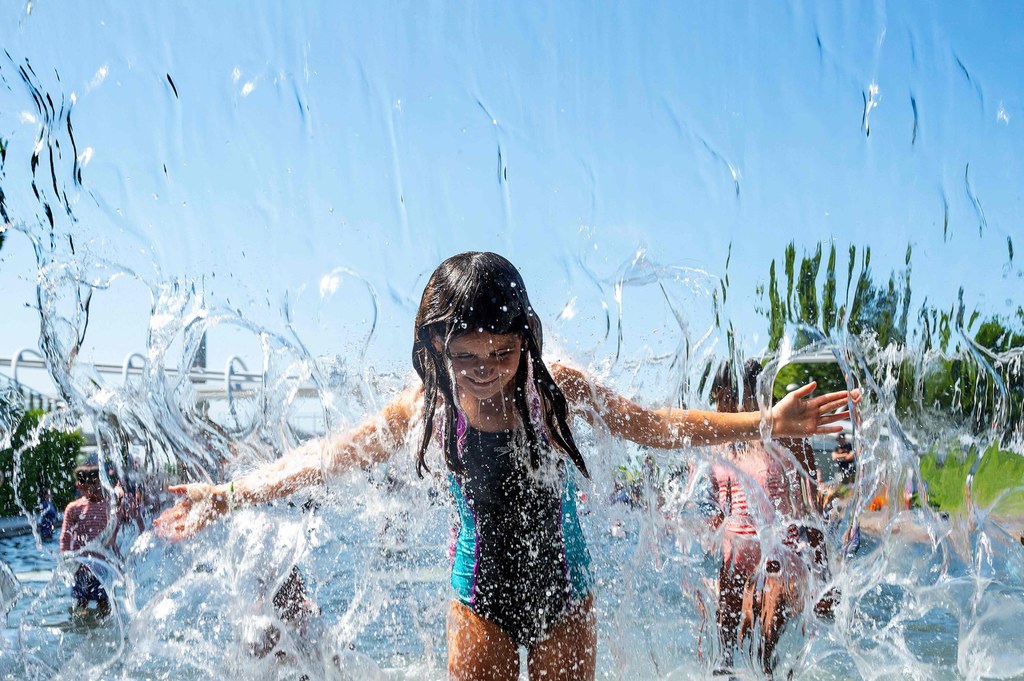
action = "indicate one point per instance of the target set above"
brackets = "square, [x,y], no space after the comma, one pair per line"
[47,515]
[521,569]
[85,519]
[772,544]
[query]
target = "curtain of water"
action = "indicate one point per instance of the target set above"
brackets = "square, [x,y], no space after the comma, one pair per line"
[265,189]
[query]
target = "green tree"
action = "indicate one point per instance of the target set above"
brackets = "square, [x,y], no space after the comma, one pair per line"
[974,381]
[867,307]
[827,374]
[50,463]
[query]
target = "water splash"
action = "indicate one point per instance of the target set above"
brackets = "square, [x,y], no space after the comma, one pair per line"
[926,596]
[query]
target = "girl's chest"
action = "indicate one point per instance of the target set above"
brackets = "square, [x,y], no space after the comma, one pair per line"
[498,472]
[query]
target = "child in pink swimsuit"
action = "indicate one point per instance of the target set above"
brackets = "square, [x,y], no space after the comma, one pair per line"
[771,543]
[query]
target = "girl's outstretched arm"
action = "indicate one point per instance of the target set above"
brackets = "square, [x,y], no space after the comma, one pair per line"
[796,415]
[308,465]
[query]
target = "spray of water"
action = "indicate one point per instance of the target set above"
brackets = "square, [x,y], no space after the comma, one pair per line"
[930,593]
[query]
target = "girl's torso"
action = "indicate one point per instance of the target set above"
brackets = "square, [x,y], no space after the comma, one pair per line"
[757,487]
[519,557]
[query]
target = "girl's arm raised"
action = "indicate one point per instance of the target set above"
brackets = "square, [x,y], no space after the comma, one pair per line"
[308,465]
[671,428]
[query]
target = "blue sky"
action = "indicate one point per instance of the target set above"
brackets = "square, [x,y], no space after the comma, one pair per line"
[381,137]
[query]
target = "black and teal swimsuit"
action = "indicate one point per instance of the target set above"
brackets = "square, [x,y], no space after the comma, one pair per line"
[519,557]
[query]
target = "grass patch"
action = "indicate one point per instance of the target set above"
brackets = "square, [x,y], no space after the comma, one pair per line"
[999,471]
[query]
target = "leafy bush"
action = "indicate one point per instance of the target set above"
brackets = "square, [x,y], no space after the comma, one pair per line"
[51,463]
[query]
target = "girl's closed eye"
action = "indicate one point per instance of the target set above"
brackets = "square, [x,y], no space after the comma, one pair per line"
[469,358]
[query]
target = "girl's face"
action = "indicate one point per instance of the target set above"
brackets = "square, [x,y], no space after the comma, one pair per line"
[484,363]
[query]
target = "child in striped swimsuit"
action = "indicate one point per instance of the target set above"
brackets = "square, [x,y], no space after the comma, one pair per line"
[772,544]
[85,520]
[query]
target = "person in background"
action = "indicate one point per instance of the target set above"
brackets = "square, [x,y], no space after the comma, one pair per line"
[845,460]
[835,494]
[47,517]
[127,502]
[772,545]
[85,521]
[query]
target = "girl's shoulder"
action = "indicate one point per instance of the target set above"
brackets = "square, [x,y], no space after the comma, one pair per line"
[558,369]
[567,377]
[407,402]
[74,507]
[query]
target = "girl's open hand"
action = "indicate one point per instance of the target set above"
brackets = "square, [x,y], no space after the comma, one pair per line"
[199,505]
[795,416]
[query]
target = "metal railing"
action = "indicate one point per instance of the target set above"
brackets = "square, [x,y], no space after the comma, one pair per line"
[236,378]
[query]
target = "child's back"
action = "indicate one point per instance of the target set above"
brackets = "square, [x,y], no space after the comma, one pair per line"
[84,521]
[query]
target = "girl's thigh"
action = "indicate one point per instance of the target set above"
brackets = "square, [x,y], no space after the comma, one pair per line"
[479,648]
[777,602]
[569,651]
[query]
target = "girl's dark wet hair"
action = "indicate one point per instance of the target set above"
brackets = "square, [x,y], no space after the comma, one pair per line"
[723,388]
[483,291]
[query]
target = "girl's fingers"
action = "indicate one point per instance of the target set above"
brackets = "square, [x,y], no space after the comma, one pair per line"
[827,403]
[175,533]
[173,525]
[168,516]
[166,528]
[804,390]
[832,418]
[841,397]
[815,415]
[192,492]
[832,406]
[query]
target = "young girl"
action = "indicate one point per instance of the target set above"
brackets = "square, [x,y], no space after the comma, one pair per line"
[761,489]
[521,569]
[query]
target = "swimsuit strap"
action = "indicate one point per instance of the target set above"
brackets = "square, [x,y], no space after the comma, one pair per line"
[461,428]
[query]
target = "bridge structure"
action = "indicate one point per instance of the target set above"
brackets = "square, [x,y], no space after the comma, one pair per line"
[236,381]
